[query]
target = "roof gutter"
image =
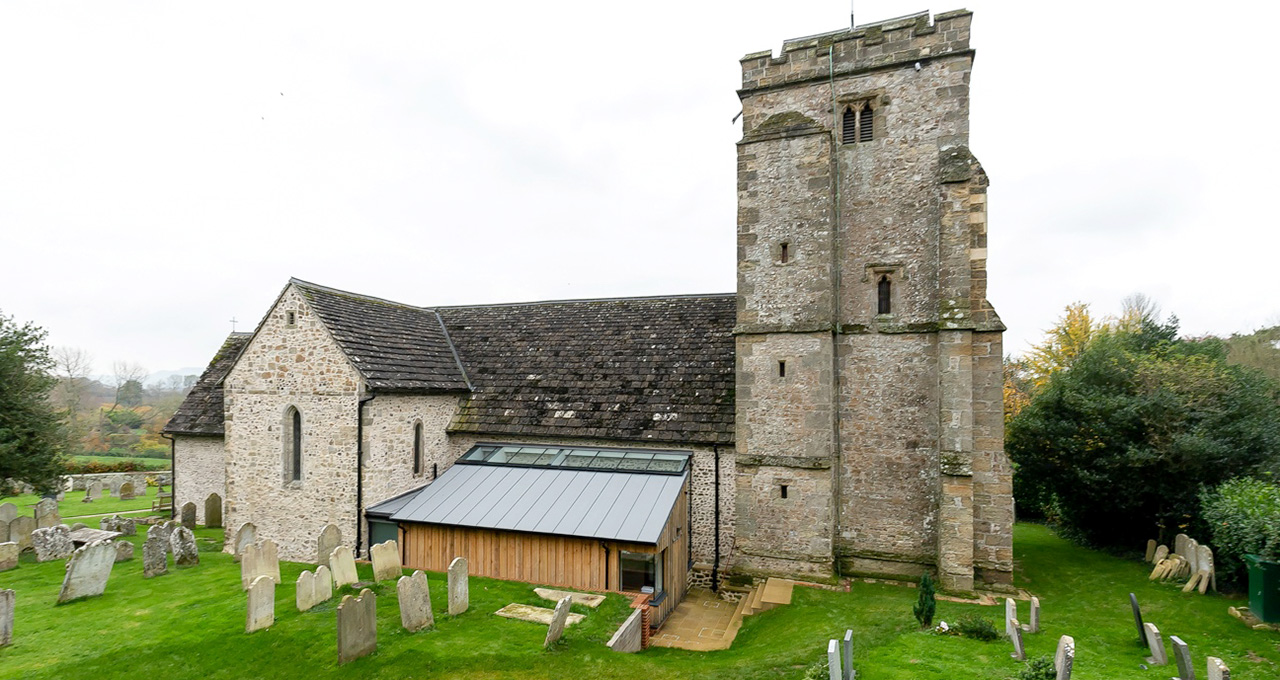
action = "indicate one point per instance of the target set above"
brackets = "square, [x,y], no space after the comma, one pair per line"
[173,470]
[360,471]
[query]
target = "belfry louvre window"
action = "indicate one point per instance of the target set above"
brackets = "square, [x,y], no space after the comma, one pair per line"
[857,125]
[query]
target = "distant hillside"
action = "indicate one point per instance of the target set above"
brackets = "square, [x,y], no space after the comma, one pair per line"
[1260,350]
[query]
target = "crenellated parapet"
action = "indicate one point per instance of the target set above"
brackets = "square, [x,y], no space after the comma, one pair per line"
[868,47]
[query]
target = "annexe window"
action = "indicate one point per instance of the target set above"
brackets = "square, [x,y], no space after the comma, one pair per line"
[291,437]
[884,295]
[641,572]
[417,448]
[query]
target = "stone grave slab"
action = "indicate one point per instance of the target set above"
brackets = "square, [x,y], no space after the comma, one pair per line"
[259,559]
[330,538]
[165,531]
[558,617]
[8,602]
[1182,657]
[1155,643]
[1065,658]
[188,515]
[1180,544]
[8,512]
[1210,571]
[4,531]
[183,545]
[1010,615]
[246,536]
[1015,636]
[127,491]
[20,530]
[1162,552]
[87,571]
[847,653]
[1193,555]
[8,555]
[124,551]
[313,588]
[585,599]
[386,561]
[213,511]
[52,543]
[125,526]
[155,552]
[833,661]
[46,514]
[1216,670]
[459,593]
[85,535]
[78,526]
[1034,625]
[357,626]
[415,602]
[261,604]
[342,562]
[532,614]
[1137,619]
[1151,550]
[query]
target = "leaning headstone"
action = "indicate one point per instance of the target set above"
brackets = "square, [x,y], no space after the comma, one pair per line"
[213,511]
[1208,569]
[1151,550]
[330,538]
[1015,636]
[52,543]
[386,561]
[262,604]
[1034,626]
[357,626]
[155,552]
[847,648]
[558,617]
[8,512]
[1064,658]
[1217,670]
[1162,552]
[343,565]
[1010,616]
[183,544]
[1155,643]
[189,515]
[259,559]
[87,571]
[1137,619]
[833,661]
[1180,544]
[415,602]
[124,551]
[20,530]
[1193,555]
[127,492]
[246,536]
[8,600]
[1182,657]
[459,595]
[47,514]
[8,555]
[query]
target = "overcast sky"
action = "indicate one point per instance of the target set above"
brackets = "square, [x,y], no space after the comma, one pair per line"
[167,166]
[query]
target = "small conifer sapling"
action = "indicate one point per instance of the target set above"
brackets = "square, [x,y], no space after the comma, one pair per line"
[925,604]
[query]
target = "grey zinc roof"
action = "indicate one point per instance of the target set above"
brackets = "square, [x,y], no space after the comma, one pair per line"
[613,506]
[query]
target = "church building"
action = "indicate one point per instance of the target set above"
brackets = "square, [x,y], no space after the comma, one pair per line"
[839,414]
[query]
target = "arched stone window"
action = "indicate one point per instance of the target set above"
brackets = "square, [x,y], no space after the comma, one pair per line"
[417,448]
[291,438]
[884,295]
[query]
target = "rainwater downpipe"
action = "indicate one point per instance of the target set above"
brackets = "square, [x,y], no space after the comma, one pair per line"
[715,564]
[837,444]
[173,470]
[360,471]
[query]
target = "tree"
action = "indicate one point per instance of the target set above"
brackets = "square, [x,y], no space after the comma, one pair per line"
[31,437]
[1062,344]
[926,604]
[126,380]
[1124,439]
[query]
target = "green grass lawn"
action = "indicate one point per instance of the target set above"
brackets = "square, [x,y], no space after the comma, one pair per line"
[150,463]
[73,504]
[189,624]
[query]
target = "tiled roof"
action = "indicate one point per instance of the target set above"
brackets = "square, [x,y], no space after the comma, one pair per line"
[201,412]
[639,369]
[397,348]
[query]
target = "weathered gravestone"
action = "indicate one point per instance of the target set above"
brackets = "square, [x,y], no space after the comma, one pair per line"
[261,612]
[1064,658]
[1193,555]
[213,511]
[165,531]
[246,536]
[94,491]
[314,588]
[1211,571]
[1162,552]
[47,514]
[330,538]
[127,492]
[88,571]
[8,602]
[124,525]
[52,543]
[459,593]
[8,512]
[124,551]
[4,531]
[386,561]
[78,526]
[8,555]
[1015,636]
[1182,657]
[1155,643]
[1217,670]
[1151,550]
[847,648]
[343,565]
[833,661]
[183,545]
[260,559]
[20,530]
[1010,615]
[1034,625]
[1137,619]
[189,515]
[558,618]
[1180,544]
[155,552]
[357,626]
[415,602]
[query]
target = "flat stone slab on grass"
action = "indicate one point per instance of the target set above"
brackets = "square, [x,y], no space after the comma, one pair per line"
[532,614]
[87,535]
[584,599]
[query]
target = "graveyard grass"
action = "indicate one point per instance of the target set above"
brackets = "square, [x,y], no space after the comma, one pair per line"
[73,505]
[189,623]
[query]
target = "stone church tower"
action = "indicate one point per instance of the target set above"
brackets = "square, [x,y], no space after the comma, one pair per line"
[869,424]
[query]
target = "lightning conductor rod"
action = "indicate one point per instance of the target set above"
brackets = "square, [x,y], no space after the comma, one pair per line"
[852,23]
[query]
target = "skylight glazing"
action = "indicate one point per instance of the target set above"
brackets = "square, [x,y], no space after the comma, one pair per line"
[575,458]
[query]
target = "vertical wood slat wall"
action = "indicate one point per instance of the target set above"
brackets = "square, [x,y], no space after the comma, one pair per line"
[563,561]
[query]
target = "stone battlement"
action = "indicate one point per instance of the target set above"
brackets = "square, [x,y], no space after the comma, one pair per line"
[870,46]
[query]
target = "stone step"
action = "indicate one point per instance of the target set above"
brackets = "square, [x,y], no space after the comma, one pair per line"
[776,592]
[757,600]
[735,623]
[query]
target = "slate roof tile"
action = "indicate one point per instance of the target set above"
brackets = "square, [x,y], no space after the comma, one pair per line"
[201,411]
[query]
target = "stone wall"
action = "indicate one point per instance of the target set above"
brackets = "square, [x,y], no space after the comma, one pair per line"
[139,479]
[299,366]
[201,469]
